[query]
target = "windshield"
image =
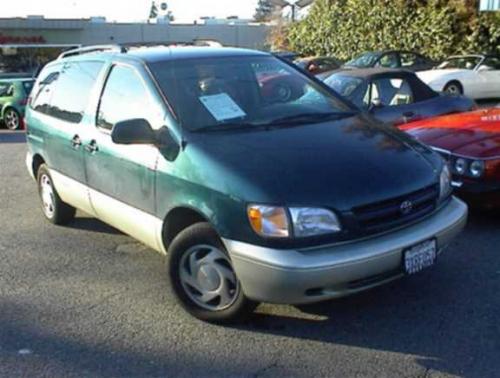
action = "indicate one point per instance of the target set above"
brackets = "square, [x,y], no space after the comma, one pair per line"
[364,60]
[243,92]
[343,85]
[462,62]
[352,88]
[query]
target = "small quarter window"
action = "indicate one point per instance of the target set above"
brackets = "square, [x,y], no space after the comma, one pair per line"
[44,88]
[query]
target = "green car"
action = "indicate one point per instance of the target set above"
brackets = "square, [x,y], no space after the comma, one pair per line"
[251,195]
[13,98]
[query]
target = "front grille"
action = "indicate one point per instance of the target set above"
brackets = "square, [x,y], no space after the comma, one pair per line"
[386,215]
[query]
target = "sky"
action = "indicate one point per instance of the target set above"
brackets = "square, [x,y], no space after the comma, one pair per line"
[128,10]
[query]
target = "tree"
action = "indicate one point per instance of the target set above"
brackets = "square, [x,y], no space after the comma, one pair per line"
[264,11]
[153,13]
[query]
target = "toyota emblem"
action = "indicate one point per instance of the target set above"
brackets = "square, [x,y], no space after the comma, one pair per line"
[406,207]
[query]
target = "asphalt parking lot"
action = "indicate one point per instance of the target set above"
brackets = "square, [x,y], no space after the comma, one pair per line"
[86,300]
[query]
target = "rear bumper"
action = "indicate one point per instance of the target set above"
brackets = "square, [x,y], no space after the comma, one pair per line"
[312,275]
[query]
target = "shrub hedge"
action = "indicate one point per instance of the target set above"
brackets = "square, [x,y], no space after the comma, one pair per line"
[436,28]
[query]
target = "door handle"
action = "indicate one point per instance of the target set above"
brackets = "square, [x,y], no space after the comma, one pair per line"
[92,147]
[76,141]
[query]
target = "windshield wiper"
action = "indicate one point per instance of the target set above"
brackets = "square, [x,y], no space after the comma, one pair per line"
[306,118]
[225,126]
[294,120]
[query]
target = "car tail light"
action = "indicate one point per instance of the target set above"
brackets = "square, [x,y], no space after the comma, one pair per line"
[492,169]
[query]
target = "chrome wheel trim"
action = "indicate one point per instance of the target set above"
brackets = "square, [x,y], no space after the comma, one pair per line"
[207,278]
[11,119]
[47,195]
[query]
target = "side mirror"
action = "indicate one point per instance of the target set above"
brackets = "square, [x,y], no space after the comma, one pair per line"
[376,104]
[133,131]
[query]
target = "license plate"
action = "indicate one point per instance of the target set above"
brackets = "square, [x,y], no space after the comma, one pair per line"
[420,256]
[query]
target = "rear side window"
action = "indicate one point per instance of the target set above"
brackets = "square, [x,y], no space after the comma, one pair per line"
[392,91]
[124,97]
[44,88]
[408,59]
[389,60]
[4,89]
[73,90]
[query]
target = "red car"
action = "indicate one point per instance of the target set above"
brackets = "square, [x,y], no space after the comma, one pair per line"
[470,142]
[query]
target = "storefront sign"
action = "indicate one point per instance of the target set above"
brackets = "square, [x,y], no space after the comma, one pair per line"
[14,39]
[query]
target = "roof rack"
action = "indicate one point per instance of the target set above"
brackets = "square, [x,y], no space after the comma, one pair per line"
[92,49]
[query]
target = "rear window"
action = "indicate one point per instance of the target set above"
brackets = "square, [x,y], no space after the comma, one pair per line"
[64,90]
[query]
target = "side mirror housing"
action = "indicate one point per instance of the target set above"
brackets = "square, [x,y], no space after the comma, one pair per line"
[133,131]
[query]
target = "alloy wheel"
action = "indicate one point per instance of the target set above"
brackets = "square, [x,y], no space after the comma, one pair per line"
[12,119]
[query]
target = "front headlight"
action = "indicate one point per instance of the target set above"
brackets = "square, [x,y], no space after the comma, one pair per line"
[461,166]
[476,168]
[271,221]
[311,221]
[445,182]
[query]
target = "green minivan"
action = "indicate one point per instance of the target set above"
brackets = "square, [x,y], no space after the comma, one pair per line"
[258,182]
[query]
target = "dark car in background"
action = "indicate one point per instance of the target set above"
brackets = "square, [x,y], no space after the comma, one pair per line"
[391,59]
[393,95]
[318,65]
[14,95]
[287,55]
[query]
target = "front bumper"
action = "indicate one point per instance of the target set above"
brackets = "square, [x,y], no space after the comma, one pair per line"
[316,274]
[478,194]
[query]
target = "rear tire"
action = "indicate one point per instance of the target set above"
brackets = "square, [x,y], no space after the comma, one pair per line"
[454,88]
[54,209]
[202,278]
[12,119]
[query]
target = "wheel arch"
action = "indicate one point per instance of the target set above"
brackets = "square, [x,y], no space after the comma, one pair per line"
[7,106]
[454,81]
[36,162]
[178,219]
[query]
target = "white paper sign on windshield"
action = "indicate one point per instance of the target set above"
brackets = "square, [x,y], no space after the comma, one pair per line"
[222,106]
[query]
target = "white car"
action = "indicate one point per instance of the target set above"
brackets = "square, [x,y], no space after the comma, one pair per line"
[476,76]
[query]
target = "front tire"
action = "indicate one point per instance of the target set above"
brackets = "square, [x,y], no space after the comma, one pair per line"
[54,209]
[454,88]
[12,119]
[202,277]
